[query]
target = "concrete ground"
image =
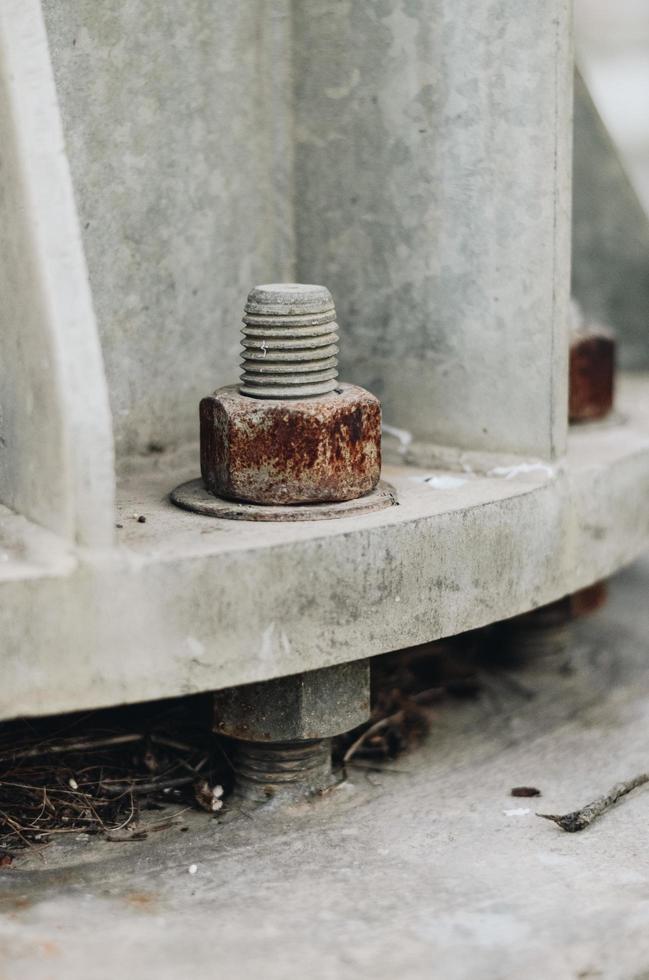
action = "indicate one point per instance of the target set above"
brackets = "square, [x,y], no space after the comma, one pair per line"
[430,869]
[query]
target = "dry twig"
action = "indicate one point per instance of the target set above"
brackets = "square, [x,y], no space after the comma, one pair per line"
[378,726]
[582,818]
[96,782]
[86,745]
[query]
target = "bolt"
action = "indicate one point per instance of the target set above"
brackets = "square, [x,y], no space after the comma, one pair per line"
[279,732]
[592,370]
[290,432]
[547,631]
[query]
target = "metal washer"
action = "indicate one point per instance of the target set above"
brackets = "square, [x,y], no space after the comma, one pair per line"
[193,496]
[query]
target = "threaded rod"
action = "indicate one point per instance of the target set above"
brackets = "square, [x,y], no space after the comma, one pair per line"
[287,769]
[289,342]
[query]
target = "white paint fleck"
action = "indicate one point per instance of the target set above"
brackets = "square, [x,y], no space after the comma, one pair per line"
[404,437]
[520,811]
[267,649]
[509,472]
[193,868]
[441,482]
[195,647]
[286,644]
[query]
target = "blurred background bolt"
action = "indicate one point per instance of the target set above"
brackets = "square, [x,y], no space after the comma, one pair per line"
[547,631]
[592,370]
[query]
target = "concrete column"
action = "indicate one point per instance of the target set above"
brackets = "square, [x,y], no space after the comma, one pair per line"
[433,197]
[610,237]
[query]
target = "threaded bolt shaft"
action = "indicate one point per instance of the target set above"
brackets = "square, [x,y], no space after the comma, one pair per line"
[292,770]
[289,342]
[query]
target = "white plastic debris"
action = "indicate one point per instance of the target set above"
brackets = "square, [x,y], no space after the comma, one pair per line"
[193,868]
[209,797]
[520,811]
[72,783]
[217,793]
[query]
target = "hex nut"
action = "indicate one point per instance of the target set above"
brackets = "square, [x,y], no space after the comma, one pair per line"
[281,451]
[314,705]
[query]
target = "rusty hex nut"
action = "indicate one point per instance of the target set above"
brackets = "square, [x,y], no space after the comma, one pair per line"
[592,371]
[291,451]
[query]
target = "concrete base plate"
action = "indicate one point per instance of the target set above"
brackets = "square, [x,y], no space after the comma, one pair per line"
[193,496]
[427,869]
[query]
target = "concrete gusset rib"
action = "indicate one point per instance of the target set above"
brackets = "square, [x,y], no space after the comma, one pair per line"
[56,464]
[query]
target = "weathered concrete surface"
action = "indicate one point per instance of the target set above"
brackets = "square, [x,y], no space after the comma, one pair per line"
[433,165]
[431,870]
[56,448]
[191,603]
[610,237]
[177,124]
[431,191]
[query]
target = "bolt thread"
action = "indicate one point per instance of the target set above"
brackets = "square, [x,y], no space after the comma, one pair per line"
[266,769]
[289,342]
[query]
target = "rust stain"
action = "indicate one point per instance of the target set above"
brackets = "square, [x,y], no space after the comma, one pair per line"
[49,948]
[290,452]
[588,600]
[12,906]
[140,900]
